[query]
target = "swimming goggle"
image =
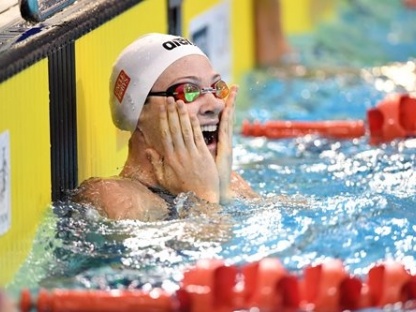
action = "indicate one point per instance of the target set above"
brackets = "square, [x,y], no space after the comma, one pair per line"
[189,92]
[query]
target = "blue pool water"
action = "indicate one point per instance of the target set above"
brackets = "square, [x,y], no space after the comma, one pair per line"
[322,197]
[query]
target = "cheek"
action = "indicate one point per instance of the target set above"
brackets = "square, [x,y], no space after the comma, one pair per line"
[193,109]
[153,137]
[152,130]
[150,127]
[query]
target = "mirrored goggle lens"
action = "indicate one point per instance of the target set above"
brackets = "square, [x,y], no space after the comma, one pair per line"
[189,92]
[221,89]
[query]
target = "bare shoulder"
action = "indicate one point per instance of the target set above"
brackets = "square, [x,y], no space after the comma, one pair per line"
[121,198]
[241,188]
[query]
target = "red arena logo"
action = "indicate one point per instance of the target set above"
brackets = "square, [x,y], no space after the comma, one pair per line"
[121,85]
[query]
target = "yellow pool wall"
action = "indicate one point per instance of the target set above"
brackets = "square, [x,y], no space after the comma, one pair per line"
[24,114]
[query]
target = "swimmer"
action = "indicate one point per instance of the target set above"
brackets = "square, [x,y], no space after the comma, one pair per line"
[272,46]
[164,90]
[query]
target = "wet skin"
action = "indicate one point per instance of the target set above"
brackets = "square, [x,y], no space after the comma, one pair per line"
[169,150]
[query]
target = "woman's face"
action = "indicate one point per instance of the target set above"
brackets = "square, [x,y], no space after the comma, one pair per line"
[195,69]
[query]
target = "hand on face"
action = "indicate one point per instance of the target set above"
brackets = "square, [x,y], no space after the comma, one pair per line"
[224,156]
[186,164]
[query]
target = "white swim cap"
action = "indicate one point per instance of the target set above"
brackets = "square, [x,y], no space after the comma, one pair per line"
[136,70]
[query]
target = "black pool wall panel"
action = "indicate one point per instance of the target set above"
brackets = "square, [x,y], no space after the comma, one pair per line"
[63,123]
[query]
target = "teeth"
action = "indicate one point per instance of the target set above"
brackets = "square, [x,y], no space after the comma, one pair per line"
[210,128]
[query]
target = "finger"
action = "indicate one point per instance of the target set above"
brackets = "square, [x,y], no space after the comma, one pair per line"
[231,102]
[227,115]
[165,130]
[197,132]
[187,132]
[174,124]
[232,96]
[234,93]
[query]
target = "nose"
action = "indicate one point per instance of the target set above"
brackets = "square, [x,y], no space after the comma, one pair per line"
[211,105]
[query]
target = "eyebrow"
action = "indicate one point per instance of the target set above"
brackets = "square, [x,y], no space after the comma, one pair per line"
[195,79]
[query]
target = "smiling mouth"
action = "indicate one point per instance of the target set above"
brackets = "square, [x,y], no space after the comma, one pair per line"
[210,133]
